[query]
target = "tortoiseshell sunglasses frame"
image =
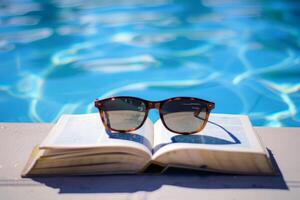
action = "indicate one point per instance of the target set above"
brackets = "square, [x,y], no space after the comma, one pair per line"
[153,105]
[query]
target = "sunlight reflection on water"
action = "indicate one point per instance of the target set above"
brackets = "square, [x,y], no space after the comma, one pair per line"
[58,56]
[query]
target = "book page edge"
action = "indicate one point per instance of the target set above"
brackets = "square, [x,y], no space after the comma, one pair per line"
[54,131]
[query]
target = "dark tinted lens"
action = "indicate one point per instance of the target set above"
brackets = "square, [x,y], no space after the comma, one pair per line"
[124,114]
[184,115]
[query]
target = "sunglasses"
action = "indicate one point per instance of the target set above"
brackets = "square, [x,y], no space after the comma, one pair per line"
[182,115]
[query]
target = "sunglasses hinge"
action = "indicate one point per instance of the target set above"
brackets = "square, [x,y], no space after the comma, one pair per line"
[97,103]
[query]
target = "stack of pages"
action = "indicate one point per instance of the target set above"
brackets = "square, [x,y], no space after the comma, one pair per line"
[80,145]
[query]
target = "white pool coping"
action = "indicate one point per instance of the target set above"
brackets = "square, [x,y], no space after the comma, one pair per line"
[18,139]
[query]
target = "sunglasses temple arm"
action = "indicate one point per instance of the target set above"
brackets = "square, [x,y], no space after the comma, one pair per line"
[197,112]
[236,140]
[106,115]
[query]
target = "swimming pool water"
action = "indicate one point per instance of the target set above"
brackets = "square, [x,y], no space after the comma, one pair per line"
[58,56]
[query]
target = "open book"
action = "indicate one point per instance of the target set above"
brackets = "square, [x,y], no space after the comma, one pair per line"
[80,145]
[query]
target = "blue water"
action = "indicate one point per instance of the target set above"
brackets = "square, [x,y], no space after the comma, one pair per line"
[58,56]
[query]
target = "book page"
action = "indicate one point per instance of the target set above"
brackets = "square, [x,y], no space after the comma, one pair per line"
[87,131]
[222,132]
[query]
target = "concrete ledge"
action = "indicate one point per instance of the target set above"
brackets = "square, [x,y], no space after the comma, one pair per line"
[18,139]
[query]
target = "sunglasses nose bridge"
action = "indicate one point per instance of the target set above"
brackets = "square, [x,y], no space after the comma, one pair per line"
[153,105]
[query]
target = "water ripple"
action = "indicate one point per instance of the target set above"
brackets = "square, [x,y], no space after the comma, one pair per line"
[27,36]
[58,56]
